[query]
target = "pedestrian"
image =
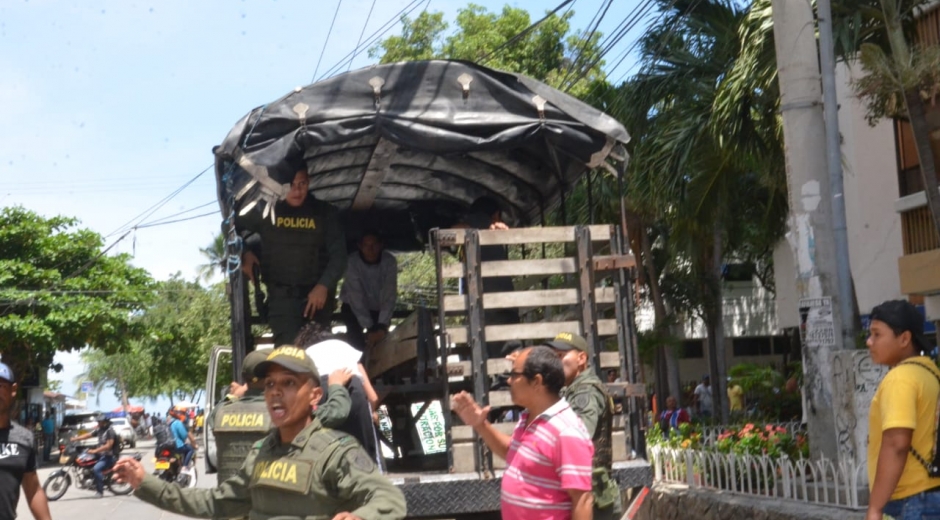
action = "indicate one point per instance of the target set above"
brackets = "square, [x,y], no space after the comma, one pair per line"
[48,435]
[703,398]
[302,257]
[589,399]
[902,417]
[18,462]
[548,457]
[735,398]
[672,416]
[299,470]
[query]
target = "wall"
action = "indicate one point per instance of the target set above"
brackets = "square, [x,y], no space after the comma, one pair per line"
[679,502]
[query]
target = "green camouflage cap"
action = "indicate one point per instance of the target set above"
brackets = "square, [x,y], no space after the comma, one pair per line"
[568,341]
[290,357]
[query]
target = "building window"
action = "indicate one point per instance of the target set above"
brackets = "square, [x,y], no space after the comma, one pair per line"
[759,346]
[692,349]
[910,180]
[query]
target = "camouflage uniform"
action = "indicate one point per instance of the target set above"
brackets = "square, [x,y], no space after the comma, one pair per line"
[589,399]
[320,474]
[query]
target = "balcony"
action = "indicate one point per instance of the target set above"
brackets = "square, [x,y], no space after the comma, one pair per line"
[919,268]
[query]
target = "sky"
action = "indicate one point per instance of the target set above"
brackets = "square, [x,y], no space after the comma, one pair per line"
[108,107]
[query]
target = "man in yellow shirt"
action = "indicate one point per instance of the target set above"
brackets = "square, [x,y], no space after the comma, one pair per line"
[735,397]
[901,423]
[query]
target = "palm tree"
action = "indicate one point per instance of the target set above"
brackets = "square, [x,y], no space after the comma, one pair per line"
[896,85]
[216,256]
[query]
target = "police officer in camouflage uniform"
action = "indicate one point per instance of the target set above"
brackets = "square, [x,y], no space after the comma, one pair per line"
[588,397]
[303,257]
[300,470]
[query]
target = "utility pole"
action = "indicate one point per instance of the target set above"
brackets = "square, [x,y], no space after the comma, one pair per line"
[840,233]
[810,233]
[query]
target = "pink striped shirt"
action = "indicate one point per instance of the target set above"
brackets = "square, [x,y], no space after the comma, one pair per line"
[545,460]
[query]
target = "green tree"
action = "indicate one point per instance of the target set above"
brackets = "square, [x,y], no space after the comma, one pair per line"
[216,258]
[900,82]
[549,53]
[61,291]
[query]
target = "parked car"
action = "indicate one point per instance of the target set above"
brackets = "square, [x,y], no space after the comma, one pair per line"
[122,426]
[78,423]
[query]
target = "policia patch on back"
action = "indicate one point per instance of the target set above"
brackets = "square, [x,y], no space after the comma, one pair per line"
[357,458]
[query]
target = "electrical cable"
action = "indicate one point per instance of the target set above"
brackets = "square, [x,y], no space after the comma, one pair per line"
[326,41]
[154,224]
[361,34]
[520,34]
[152,209]
[387,26]
[599,17]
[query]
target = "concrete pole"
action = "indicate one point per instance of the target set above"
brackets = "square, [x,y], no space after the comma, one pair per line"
[810,232]
[834,157]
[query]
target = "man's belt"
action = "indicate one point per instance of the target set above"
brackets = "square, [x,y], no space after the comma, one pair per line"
[289,291]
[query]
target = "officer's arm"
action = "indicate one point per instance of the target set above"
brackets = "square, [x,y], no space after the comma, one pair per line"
[389,291]
[335,410]
[589,406]
[336,249]
[230,499]
[351,472]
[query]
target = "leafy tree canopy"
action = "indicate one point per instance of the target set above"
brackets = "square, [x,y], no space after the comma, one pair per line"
[550,52]
[59,290]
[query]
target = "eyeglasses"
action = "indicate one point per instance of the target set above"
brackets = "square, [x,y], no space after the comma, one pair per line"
[516,373]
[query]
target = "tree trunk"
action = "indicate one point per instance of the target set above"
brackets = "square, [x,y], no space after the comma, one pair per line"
[715,328]
[928,167]
[669,359]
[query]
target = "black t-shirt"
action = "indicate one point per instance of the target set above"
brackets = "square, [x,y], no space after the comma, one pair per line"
[106,434]
[17,457]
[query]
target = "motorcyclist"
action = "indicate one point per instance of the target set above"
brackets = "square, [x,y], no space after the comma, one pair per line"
[106,450]
[185,442]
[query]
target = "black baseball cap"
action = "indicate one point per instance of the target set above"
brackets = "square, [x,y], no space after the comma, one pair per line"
[290,357]
[567,341]
[901,315]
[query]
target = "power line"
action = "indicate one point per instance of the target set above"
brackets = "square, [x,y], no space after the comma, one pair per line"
[154,224]
[328,33]
[190,210]
[586,41]
[152,209]
[361,33]
[523,32]
[387,26]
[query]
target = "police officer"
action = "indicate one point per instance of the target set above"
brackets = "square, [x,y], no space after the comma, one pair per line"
[299,470]
[303,258]
[589,399]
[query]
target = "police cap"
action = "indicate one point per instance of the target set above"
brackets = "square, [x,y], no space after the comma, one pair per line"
[290,357]
[565,341]
[251,362]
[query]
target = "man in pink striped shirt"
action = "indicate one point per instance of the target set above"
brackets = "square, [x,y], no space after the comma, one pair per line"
[548,457]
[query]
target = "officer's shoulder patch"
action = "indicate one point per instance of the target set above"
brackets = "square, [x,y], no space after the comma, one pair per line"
[580,400]
[357,458]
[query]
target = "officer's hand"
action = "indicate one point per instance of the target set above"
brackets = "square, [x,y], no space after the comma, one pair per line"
[340,376]
[468,410]
[236,389]
[499,225]
[129,470]
[315,300]
[346,516]
[249,261]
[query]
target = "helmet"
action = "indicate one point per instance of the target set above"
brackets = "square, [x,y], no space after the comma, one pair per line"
[102,418]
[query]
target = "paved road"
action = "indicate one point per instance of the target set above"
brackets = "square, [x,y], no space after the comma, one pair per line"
[81,504]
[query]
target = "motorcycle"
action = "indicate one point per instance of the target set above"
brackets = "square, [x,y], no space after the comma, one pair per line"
[79,468]
[168,466]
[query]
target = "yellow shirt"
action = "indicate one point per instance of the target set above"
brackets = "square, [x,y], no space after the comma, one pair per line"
[199,421]
[906,398]
[736,398]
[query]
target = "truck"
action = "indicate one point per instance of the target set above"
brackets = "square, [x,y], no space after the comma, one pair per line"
[406,148]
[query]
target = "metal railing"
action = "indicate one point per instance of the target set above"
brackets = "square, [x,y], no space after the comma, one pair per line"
[822,482]
[918,233]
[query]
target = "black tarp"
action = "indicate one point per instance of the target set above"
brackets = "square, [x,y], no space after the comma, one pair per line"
[406,147]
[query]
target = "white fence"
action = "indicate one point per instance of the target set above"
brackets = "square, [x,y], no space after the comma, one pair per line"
[823,482]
